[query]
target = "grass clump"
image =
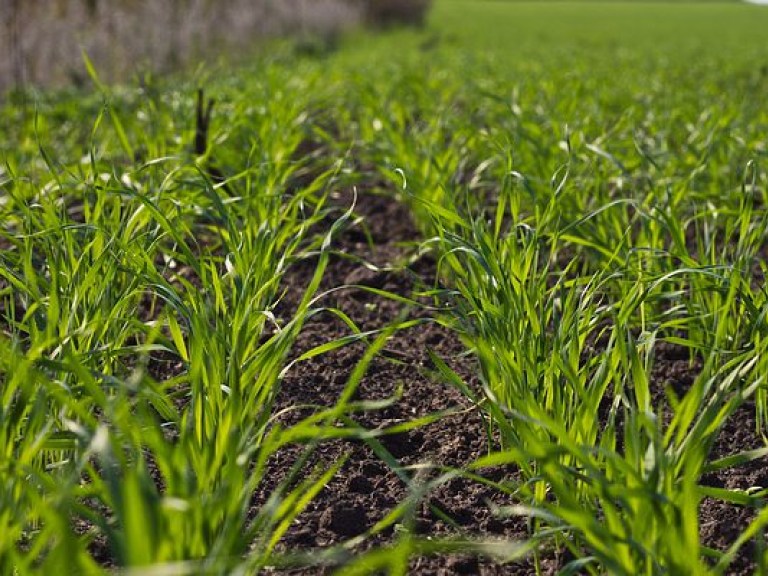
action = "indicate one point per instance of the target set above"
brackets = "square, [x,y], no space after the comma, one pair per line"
[581,239]
[142,354]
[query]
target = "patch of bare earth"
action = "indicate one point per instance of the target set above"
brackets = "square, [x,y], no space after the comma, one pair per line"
[366,489]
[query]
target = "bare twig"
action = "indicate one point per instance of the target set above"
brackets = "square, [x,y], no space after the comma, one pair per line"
[203,123]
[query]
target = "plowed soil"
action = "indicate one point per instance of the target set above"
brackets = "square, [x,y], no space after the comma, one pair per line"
[366,489]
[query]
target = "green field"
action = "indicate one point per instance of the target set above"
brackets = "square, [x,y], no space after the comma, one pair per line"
[590,180]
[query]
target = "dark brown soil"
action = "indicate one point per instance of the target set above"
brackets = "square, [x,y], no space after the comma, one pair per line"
[367,489]
[381,251]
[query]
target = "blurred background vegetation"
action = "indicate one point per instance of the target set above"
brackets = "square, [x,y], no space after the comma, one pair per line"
[43,40]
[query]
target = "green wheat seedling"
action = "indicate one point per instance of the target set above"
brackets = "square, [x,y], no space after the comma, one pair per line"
[578,418]
[593,193]
[566,347]
[108,269]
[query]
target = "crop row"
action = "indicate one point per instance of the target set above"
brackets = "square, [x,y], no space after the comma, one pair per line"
[579,226]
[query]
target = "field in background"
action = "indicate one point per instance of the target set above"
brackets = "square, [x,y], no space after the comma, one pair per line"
[588,186]
[677,29]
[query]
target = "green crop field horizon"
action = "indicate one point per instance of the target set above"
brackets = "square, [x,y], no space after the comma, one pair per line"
[589,181]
